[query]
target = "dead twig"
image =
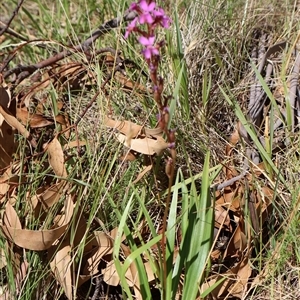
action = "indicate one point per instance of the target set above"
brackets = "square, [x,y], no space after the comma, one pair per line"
[11,32]
[15,12]
[23,72]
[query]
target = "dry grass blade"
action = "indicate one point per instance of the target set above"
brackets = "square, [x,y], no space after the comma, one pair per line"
[20,276]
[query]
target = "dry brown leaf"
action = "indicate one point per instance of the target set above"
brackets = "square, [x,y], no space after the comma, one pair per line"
[237,242]
[129,156]
[61,119]
[221,217]
[235,283]
[111,277]
[125,127]
[145,145]
[100,245]
[110,274]
[131,129]
[33,120]
[129,84]
[73,144]
[242,277]
[10,217]
[61,267]
[7,145]
[146,169]
[6,181]
[35,239]
[7,142]
[14,123]
[49,196]
[67,70]
[56,158]
[5,97]
[134,278]
[35,89]
[233,140]
[210,281]
[149,271]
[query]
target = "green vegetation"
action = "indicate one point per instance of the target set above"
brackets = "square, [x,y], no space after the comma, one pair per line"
[90,205]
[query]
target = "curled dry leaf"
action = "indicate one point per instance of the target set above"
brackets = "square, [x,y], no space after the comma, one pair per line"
[221,217]
[73,144]
[98,245]
[61,266]
[50,196]
[129,84]
[234,285]
[125,127]
[5,97]
[35,239]
[110,274]
[243,274]
[41,86]
[33,120]
[132,129]
[137,138]
[101,245]
[148,146]
[128,156]
[111,277]
[56,158]
[6,181]
[14,123]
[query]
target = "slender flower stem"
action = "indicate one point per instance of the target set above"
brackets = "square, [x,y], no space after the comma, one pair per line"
[149,18]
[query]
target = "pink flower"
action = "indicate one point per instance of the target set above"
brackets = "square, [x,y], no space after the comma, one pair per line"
[161,18]
[133,6]
[147,11]
[130,27]
[149,49]
[145,6]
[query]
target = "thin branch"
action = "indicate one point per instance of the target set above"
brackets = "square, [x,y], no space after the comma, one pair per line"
[25,71]
[15,12]
[12,32]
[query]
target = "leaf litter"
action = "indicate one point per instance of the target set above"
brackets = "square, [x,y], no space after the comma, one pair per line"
[234,236]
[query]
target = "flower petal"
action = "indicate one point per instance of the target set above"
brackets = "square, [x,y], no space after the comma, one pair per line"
[147,7]
[147,53]
[143,40]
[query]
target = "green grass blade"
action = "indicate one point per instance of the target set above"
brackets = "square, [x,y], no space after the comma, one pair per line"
[117,248]
[170,236]
[251,132]
[201,226]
